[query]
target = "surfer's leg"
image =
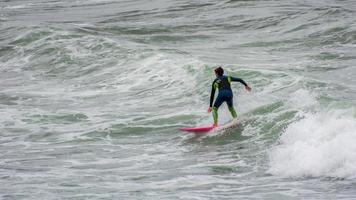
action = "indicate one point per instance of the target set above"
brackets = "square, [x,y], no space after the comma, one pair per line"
[215,116]
[233,112]
[231,107]
[219,100]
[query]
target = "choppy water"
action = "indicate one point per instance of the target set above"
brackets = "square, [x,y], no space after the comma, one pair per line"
[92,93]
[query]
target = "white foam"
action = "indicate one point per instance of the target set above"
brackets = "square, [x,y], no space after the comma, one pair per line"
[319,145]
[302,98]
[21,6]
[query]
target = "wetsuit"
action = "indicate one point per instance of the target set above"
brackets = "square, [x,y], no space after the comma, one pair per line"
[223,83]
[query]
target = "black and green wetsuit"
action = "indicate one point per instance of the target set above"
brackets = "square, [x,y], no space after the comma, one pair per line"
[223,84]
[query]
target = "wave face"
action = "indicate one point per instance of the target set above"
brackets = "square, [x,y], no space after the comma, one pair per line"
[92,94]
[317,145]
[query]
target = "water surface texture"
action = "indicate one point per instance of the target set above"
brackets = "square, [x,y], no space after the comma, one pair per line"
[93,92]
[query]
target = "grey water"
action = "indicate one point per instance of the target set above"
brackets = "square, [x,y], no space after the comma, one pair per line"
[93,93]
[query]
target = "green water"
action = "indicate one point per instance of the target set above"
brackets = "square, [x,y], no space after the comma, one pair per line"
[93,93]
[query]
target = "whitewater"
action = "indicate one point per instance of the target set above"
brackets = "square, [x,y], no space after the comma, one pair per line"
[93,93]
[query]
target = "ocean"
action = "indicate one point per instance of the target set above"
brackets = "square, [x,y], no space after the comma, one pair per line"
[93,93]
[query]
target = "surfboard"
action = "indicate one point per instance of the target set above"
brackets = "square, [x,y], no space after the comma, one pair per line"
[206,129]
[199,130]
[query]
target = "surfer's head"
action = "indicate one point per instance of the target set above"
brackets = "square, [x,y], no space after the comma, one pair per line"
[219,71]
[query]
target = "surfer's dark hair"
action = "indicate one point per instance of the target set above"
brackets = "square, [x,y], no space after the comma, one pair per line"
[219,71]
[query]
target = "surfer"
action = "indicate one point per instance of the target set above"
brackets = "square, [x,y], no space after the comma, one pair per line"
[223,83]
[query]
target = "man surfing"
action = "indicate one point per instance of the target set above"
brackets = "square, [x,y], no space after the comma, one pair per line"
[223,83]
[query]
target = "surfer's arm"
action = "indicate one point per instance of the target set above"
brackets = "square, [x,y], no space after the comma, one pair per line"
[235,79]
[212,94]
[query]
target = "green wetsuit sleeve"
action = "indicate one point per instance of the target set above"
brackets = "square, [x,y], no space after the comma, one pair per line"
[235,79]
[212,94]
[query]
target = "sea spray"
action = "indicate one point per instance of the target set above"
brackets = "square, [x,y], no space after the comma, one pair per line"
[320,144]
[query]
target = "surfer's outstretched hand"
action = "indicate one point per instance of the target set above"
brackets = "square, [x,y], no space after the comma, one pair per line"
[248,88]
[209,109]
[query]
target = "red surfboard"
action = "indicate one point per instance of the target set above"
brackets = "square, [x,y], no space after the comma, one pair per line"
[199,130]
[206,129]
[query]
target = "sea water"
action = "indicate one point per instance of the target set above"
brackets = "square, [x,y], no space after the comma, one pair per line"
[93,93]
